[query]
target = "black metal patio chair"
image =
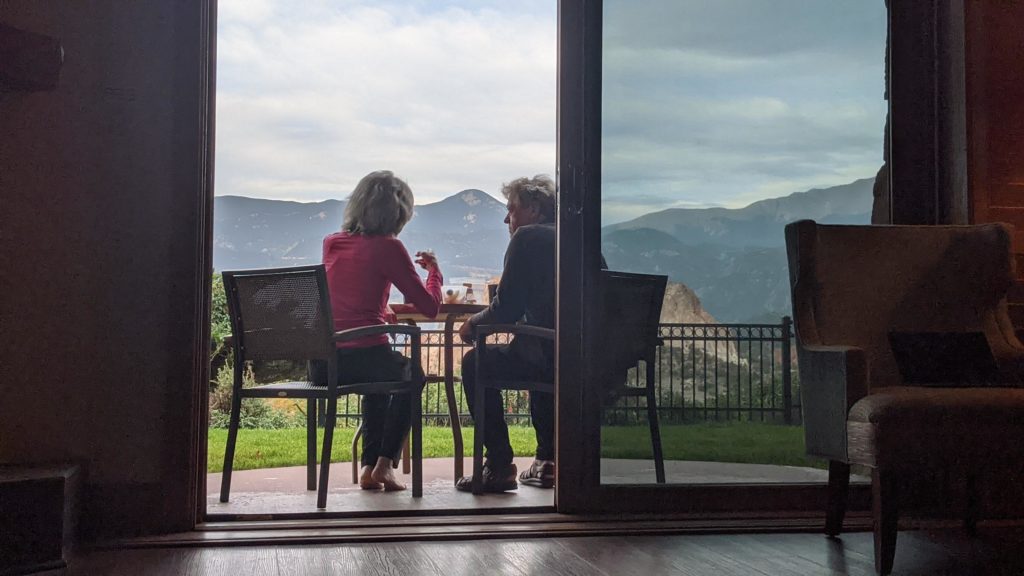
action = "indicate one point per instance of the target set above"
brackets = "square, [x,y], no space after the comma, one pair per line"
[630,316]
[285,314]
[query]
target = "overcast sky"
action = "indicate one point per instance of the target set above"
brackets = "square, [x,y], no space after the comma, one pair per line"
[706,102]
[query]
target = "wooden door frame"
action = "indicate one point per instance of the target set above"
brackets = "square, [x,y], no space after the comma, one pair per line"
[579,208]
[204,254]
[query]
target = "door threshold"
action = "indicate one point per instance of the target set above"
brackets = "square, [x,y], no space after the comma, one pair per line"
[475,527]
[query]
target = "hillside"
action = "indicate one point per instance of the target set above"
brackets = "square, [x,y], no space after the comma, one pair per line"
[733,259]
[760,223]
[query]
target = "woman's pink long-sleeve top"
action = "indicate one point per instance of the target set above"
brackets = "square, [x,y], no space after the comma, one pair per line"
[360,272]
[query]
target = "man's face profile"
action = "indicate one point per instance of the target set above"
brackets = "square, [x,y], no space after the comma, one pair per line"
[520,215]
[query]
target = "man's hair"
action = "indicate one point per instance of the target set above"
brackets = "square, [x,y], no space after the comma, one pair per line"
[538,191]
[380,205]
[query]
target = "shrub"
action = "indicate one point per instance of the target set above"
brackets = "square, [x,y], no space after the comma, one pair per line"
[255,413]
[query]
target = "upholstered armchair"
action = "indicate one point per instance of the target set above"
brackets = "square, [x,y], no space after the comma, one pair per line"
[948,447]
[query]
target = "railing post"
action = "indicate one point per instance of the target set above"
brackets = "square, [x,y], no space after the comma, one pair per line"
[787,366]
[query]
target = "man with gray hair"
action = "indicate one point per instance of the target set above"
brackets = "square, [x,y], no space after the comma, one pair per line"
[525,293]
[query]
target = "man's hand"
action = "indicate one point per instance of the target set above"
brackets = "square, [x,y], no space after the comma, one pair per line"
[466,332]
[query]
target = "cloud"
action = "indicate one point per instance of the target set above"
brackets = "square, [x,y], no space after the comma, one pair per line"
[315,96]
[705,103]
[731,102]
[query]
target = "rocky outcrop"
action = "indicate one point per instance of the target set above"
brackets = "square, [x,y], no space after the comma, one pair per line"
[682,306]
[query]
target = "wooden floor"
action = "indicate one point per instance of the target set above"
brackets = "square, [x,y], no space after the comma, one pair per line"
[946,552]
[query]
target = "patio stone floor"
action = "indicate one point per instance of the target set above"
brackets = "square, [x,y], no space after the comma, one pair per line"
[282,490]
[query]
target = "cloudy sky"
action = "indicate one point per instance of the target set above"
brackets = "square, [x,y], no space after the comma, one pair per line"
[706,102]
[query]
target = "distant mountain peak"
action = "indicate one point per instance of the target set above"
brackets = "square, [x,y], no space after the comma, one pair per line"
[472,197]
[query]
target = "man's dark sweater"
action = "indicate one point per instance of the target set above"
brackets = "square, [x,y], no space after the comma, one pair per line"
[527,292]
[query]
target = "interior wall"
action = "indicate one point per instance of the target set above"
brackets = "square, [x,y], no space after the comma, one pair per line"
[995,121]
[100,202]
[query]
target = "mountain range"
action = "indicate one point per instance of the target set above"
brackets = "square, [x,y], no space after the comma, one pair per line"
[732,259]
[466,231]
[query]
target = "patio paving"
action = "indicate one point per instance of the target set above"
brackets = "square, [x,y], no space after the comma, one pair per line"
[281,490]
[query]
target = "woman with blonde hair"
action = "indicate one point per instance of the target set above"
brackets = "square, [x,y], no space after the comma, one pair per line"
[363,261]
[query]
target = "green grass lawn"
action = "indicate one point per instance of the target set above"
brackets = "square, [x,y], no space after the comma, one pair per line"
[730,442]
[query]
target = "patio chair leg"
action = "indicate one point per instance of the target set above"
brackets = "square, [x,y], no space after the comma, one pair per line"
[652,419]
[229,452]
[479,421]
[405,456]
[325,458]
[355,453]
[417,442]
[838,487]
[311,444]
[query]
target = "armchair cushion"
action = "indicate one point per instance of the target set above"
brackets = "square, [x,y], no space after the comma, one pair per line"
[905,425]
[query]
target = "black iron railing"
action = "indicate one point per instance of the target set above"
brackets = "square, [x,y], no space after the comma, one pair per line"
[707,372]
[703,372]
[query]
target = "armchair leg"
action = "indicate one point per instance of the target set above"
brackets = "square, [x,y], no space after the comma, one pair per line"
[972,511]
[885,512]
[229,452]
[311,444]
[652,419]
[838,488]
[325,458]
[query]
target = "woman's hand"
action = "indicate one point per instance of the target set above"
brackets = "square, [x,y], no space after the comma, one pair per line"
[427,260]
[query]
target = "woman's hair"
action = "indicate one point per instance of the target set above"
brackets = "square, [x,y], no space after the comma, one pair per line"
[380,205]
[538,191]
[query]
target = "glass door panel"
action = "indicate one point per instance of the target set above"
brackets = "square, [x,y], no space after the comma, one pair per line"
[702,129]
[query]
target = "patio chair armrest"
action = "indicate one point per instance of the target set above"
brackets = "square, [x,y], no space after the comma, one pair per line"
[832,379]
[363,332]
[483,330]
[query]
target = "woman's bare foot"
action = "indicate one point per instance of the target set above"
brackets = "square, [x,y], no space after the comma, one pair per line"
[384,473]
[366,481]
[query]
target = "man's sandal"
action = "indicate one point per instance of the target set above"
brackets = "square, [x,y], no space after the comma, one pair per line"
[492,483]
[540,474]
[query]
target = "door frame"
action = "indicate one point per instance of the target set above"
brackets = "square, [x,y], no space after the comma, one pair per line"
[578,489]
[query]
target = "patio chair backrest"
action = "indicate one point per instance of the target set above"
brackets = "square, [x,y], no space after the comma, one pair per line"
[631,312]
[280,313]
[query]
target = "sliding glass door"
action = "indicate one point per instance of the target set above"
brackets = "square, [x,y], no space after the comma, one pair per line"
[680,125]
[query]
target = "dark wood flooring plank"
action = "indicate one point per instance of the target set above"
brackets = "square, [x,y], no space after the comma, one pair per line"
[831,553]
[706,555]
[248,560]
[784,555]
[304,561]
[125,562]
[542,556]
[948,552]
[617,556]
[919,553]
[402,558]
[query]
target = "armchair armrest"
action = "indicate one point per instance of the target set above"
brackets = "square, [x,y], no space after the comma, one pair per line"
[832,379]
[484,330]
[1007,348]
[362,332]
